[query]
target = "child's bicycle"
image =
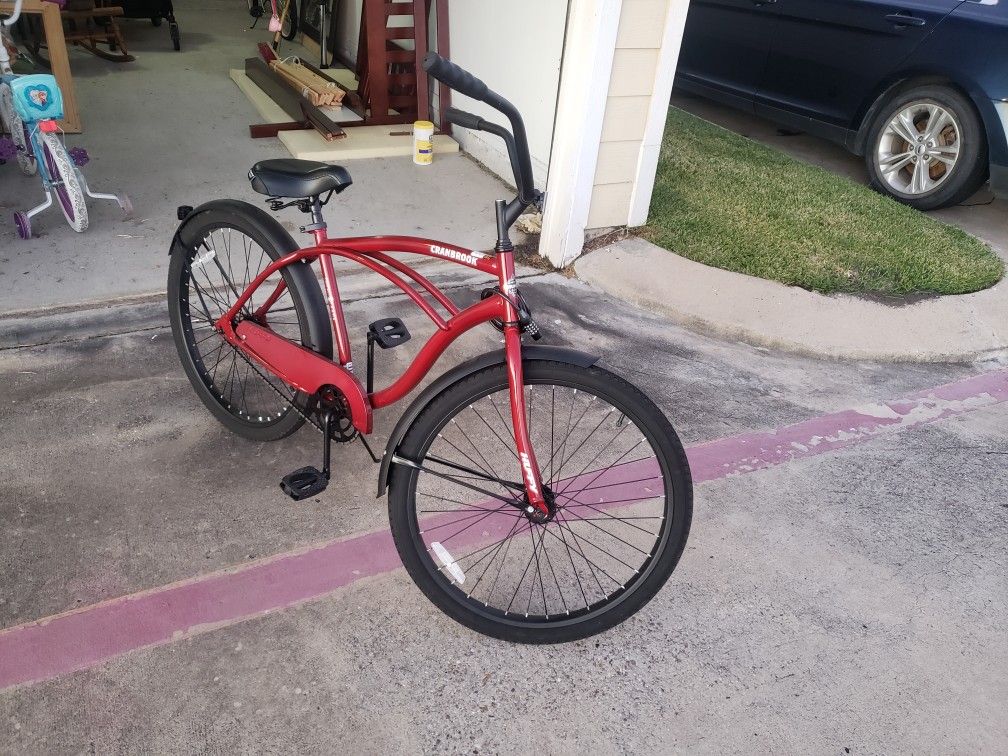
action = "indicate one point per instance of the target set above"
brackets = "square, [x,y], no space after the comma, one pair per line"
[29,109]
[533,495]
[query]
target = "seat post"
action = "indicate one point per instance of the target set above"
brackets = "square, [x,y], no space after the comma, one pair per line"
[318,225]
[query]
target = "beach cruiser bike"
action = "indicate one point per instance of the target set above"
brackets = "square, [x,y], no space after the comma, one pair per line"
[30,107]
[533,495]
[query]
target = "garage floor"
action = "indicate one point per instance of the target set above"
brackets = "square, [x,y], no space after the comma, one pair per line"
[172,129]
[981,215]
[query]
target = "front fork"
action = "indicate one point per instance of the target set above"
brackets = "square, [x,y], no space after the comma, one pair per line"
[531,475]
[537,506]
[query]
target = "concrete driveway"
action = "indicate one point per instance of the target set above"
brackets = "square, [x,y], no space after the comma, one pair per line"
[981,215]
[844,588]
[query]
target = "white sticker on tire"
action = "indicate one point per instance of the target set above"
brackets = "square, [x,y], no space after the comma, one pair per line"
[449,564]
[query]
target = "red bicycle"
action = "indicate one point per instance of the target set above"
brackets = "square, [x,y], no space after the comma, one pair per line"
[533,495]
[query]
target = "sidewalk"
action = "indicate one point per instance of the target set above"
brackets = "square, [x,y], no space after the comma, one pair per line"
[769,314]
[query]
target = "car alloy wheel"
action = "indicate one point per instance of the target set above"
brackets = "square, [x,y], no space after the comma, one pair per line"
[919,149]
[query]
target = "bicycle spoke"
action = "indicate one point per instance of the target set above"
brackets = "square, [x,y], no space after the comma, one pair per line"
[506,483]
[580,557]
[217,272]
[555,578]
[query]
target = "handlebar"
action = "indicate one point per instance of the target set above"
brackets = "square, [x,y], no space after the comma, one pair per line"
[14,17]
[455,76]
[465,83]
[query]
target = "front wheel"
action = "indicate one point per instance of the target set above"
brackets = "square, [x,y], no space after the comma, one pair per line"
[65,182]
[19,133]
[615,477]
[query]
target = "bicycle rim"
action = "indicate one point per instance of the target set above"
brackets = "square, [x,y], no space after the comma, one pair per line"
[19,133]
[609,476]
[214,274]
[65,184]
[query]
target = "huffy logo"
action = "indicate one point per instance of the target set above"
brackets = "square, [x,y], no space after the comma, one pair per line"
[463,257]
[529,475]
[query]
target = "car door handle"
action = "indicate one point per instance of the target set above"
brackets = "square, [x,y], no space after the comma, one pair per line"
[759,3]
[901,20]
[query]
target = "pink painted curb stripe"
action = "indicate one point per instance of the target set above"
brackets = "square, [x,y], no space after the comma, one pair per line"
[88,636]
[749,452]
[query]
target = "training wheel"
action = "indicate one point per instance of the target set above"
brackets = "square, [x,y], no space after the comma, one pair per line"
[126,204]
[23,223]
[7,150]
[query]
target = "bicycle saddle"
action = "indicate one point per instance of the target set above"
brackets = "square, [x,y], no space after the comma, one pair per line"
[286,177]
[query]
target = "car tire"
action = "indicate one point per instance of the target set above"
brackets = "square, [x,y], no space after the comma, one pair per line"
[932,172]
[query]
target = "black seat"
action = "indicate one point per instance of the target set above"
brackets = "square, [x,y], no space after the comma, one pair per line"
[286,177]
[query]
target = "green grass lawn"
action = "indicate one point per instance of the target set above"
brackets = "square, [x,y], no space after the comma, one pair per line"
[726,201]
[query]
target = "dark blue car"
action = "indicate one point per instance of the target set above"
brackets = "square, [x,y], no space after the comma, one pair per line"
[919,88]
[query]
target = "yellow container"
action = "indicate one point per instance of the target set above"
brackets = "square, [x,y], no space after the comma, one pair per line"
[423,142]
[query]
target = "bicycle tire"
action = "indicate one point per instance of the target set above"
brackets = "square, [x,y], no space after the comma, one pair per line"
[19,132]
[306,301]
[430,568]
[67,186]
[291,25]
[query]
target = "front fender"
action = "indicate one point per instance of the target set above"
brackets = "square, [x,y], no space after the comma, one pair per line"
[464,370]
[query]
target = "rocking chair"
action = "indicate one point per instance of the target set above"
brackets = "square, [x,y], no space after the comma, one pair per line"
[88,24]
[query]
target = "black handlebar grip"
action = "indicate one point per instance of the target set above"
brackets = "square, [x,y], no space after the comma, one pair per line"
[454,76]
[463,119]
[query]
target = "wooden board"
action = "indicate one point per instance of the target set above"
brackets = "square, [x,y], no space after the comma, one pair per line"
[361,142]
[293,104]
[59,60]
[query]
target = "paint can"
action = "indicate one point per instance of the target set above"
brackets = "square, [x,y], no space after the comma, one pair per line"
[423,142]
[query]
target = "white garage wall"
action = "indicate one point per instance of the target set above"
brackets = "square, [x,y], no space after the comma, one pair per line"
[516,48]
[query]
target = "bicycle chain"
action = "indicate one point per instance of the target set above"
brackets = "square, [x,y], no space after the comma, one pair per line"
[315,424]
[277,391]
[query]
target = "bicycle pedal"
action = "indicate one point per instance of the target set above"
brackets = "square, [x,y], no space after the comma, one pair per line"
[304,483]
[389,333]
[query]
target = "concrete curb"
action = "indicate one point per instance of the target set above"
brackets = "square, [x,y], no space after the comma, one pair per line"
[149,312]
[768,314]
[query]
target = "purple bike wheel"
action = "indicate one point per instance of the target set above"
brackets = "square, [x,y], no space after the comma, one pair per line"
[61,191]
[23,223]
[66,182]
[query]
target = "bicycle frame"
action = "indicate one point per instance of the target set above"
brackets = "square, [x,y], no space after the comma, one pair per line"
[309,371]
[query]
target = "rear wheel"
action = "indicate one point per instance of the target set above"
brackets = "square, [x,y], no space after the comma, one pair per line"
[66,183]
[289,29]
[927,148]
[614,474]
[227,245]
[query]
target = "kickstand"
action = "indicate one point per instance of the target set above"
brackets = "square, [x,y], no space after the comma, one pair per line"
[327,421]
[367,446]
